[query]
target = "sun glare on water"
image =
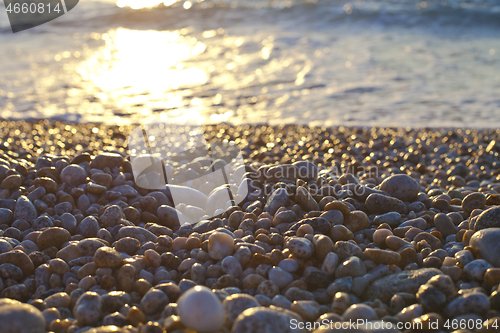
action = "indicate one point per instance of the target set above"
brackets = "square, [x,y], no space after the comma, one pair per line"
[139,4]
[144,61]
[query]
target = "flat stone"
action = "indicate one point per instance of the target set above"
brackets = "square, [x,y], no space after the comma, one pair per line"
[404,282]
[266,320]
[109,160]
[379,204]
[126,190]
[393,219]
[139,233]
[382,256]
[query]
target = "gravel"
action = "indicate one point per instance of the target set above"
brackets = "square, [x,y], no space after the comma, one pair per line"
[342,223]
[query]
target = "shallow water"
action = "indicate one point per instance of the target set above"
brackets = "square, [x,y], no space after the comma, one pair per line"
[373,62]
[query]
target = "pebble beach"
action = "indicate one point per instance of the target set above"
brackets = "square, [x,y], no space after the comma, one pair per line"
[368,225]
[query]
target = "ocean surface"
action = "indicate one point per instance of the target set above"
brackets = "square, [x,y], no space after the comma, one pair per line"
[404,63]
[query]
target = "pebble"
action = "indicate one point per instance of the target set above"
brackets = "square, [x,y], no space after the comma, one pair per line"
[406,281]
[351,267]
[280,277]
[17,317]
[54,236]
[473,201]
[112,216]
[11,182]
[25,209]
[473,302]
[487,244]
[475,269]
[235,304]
[402,187]
[6,216]
[308,310]
[74,175]
[359,312]
[154,301]
[490,218]
[301,247]
[266,320]
[220,245]
[88,309]
[393,219]
[357,221]
[278,199]
[379,204]
[107,257]
[304,199]
[200,310]
[382,256]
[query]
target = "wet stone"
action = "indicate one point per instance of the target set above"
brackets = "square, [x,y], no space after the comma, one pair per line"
[380,204]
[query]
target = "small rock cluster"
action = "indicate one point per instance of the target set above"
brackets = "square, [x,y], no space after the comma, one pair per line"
[340,224]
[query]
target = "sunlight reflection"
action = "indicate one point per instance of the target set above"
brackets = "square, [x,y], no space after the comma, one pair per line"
[137,62]
[139,4]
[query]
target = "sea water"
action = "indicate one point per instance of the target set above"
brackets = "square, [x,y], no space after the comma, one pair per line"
[317,62]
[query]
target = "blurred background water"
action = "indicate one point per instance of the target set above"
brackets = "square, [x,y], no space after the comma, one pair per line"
[318,62]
